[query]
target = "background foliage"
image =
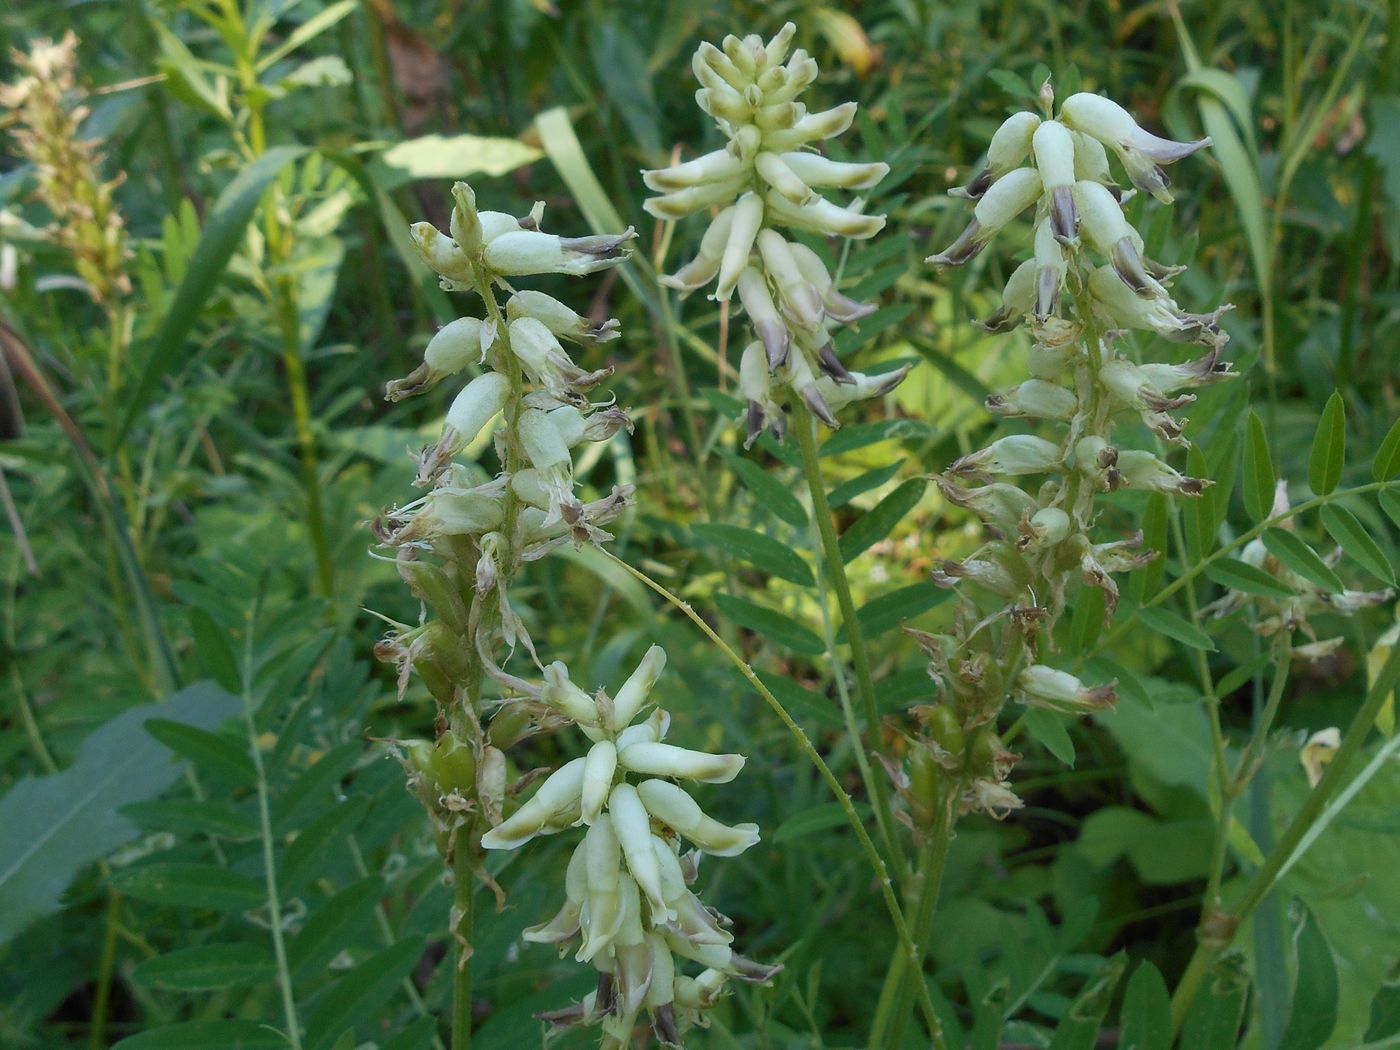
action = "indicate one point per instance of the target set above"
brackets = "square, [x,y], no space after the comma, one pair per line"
[215,547]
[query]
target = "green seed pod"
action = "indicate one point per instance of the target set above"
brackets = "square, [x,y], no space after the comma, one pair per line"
[452,765]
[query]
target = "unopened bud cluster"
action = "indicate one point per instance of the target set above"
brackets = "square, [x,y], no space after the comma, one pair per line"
[627,895]
[1086,283]
[766,179]
[46,131]
[1291,614]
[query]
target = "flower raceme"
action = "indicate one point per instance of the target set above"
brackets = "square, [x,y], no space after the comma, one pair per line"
[1088,280]
[768,178]
[627,890]
[627,901]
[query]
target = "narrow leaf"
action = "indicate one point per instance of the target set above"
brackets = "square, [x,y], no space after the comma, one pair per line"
[764,552]
[1329,447]
[1241,576]
[190,886]
[1386,465]
[208,967]
[1342,526]
[819,818]
[1174,627]
[362,991]
[770,493]
[1259,479]
[1296,555]
[881,519]
[212,753]
[895,608]
[207,1035]
[770,624]
[1145,1021]
[871,479]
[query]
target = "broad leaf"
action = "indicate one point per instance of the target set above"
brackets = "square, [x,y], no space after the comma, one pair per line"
[208,967]
[1296,555]
[52,827]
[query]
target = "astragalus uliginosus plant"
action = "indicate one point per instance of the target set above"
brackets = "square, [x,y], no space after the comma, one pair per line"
[1037,493]
[627,898]
[767,183]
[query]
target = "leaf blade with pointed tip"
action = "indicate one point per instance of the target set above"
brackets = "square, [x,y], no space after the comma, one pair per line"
[1329,447]
[1352,537]
[1259,478]
[1296,555]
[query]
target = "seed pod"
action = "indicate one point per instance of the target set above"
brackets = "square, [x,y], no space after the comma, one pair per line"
[633,695]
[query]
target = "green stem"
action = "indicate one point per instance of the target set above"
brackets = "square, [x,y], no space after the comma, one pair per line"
[462,880]
[269,860]
[1263,879]
[805,427]
[843,799]
[892,1012]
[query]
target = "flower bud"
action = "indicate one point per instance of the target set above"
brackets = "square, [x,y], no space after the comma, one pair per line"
[1041,686]
[633,695]
[568,699]
[531,252]
[633,828]
[719,166]
[561,320]
[819,215]
[455,346]
[773,170]
[799,296]
[441,253]
[680,203]
[599,765]
[1013,455]
[743,228]
[999,505]
[674,808]
[466,224]
[1143,470]
[666,760]
[758,304]
[816,170]
[1045,528]
[1122,308]
[1004,200]
[556,801]
[1010,145]
[1054,158]
[1050,268]
[1035,399]
[837,306]
[1139,150]
[701,270]
[813,128]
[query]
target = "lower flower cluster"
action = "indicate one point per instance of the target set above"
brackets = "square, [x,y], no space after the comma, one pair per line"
[628,904]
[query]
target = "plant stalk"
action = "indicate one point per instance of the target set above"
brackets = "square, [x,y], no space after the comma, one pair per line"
[805,426]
